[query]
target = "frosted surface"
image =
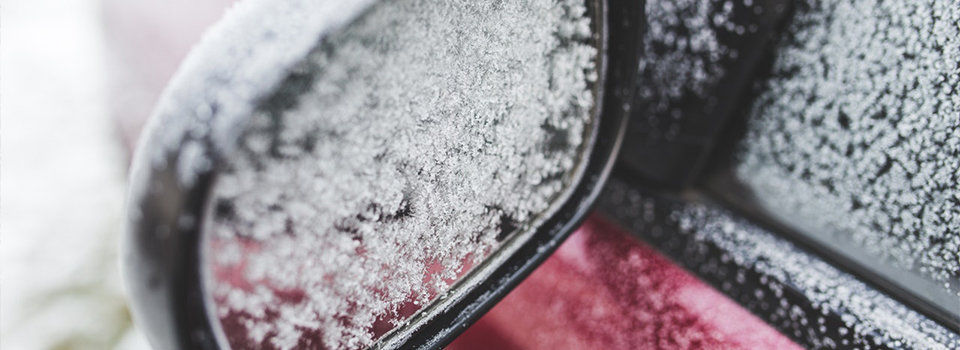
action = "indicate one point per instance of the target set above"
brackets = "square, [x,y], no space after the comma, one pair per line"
[682,60]
[802,295]
[858,132]
[398,154]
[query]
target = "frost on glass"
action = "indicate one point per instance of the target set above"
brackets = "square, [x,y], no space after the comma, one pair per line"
[857,133]
[683,56]
[698,57]
[399,153]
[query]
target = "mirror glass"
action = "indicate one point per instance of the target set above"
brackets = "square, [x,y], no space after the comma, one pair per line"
[404,149]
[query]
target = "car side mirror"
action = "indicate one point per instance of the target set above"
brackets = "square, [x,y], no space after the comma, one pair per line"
[370,174]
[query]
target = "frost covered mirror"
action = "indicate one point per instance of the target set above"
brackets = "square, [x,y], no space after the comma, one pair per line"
[345,175]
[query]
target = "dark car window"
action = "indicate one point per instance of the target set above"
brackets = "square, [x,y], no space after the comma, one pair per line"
[854,139]
[837,122]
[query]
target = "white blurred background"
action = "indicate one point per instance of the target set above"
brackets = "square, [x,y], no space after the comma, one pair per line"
[77,80]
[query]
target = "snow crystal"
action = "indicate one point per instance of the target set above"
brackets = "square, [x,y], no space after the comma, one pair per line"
[857,133]
[399,153]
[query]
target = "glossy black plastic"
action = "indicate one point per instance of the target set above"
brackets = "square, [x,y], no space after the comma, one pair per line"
[671,149]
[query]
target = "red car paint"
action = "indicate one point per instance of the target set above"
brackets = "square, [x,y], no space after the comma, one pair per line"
[604,290]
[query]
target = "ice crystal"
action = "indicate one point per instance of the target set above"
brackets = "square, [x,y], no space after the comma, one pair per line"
[682,61]
[398,153]
[857,133]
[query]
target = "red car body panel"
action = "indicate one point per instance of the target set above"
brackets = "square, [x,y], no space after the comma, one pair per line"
[603,289]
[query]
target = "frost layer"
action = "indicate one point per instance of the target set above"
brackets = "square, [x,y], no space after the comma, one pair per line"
[398,154]
[803,296]
[858,131]
[683,61]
